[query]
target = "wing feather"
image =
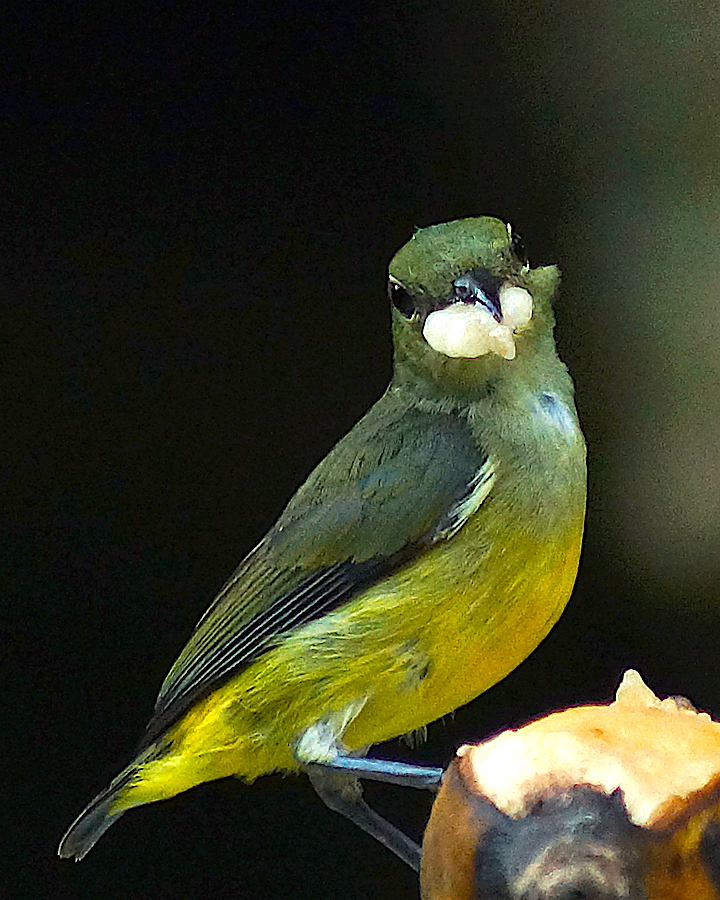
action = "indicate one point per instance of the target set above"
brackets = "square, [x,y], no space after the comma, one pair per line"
[402,480]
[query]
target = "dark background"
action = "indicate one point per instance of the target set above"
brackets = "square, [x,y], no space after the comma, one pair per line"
[197,208]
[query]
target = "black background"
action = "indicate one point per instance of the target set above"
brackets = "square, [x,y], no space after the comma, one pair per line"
[198,204]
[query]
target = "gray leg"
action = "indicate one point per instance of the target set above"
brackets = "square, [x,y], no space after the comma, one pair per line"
[334,774]
[344,795]
[319,745]
[387,770]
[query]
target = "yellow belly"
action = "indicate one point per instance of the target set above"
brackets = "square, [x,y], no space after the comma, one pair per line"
[409,650]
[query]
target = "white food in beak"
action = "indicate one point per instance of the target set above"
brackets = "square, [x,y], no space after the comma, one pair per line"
[468,330]
[516,305]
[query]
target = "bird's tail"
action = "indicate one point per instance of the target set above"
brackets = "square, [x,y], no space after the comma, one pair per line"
[96,818]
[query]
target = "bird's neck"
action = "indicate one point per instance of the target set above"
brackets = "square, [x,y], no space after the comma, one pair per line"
[453,382]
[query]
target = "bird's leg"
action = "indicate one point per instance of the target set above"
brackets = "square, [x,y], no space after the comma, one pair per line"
[343,793]
[387,770]
[334,775]
[319,746]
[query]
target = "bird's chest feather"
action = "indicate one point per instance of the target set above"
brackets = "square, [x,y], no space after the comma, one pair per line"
[539,454]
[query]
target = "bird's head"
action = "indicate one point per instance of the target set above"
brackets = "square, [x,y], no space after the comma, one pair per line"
[465,302]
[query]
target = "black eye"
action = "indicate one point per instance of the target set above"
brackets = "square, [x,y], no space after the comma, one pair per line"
[401,299]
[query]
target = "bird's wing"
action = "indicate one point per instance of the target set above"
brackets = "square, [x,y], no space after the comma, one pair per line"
[400,481]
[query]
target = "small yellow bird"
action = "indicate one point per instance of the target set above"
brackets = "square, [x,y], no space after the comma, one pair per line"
[424,558]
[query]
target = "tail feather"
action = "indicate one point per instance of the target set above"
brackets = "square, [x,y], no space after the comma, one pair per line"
[95,819]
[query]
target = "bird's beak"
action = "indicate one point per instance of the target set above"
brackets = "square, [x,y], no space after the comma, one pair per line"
[467,289]
[491,304]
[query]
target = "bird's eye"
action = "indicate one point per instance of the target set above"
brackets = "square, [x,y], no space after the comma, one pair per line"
[401,299]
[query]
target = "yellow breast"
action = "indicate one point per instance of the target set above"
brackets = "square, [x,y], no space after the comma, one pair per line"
[409,650]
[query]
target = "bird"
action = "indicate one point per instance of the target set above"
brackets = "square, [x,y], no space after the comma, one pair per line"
[423,559]
[615,802]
